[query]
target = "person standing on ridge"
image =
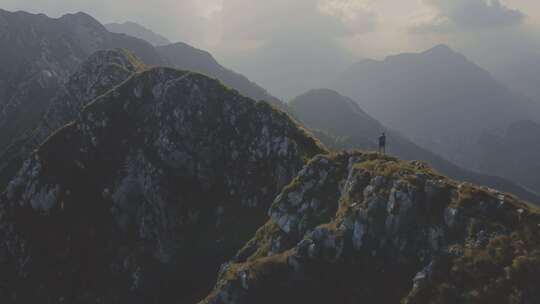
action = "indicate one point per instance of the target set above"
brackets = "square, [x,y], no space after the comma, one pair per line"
[382,144]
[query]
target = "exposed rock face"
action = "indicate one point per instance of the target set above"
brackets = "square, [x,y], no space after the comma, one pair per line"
[101,72]
[360,228]
[143,197]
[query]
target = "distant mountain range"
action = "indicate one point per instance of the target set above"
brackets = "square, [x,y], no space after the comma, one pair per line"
[138,31]
[523,75]
[439,99]
[341,124]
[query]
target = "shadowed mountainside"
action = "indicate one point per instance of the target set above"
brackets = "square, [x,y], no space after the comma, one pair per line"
[140,199]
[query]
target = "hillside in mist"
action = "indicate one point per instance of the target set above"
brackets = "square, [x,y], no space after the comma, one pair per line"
[512,153]
[439,99]
[136,30]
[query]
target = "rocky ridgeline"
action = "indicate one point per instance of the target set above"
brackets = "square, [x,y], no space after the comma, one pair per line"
[143,197]
[98,74]
[39,54]
[356,227]
[186,57]
[101,72]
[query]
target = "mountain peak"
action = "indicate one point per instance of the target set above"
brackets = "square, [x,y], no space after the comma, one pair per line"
[441,49]
[81,19]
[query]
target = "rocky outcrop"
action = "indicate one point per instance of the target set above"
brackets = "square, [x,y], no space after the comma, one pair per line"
[100,73]
[139,200]
[357,227]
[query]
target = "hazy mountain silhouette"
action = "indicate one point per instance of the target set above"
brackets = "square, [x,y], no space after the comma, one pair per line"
[523,75]
[186,57]
[139,31]
[513,153]
[440,99]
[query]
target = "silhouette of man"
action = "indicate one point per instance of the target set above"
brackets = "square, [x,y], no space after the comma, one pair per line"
[382,143]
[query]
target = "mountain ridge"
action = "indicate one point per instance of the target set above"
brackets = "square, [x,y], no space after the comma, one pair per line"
[184,56]
[150,180]
[136,30]
[99,73]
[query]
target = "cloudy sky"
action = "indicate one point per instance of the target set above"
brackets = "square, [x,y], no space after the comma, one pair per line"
[320,37]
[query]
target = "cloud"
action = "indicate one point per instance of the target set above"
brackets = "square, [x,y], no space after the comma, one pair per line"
[450,15]
[266,20]
[290,46]
[355,15]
